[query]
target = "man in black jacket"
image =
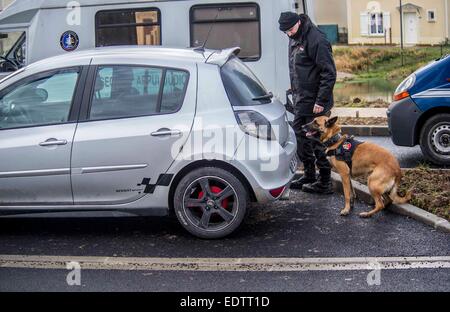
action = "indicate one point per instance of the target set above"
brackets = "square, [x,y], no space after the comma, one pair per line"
[313,75]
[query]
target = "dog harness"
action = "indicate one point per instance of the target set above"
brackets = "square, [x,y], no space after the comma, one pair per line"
[345,150]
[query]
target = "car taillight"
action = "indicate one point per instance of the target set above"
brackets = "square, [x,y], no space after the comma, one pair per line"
[255,124]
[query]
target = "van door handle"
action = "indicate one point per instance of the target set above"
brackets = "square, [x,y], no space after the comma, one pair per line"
[53,142]
[166,132]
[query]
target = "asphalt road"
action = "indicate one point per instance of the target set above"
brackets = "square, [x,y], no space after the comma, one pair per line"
[422,280]
[306,226]
[409,157]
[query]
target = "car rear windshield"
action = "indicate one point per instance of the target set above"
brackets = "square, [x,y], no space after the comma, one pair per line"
[242,86]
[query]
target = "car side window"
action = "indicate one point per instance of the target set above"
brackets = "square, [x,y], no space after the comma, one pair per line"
[174,88]
[133,91]
[41,101]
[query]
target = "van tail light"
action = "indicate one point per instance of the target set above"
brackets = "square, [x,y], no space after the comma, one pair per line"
[401,96]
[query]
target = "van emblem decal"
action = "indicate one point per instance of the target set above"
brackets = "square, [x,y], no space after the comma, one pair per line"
[69,41]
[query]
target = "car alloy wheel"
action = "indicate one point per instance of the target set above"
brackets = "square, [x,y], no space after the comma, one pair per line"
[210,203]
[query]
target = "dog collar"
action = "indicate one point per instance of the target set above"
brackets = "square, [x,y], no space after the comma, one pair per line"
[334,139]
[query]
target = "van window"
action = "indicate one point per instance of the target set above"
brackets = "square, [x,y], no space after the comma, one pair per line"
[229,25]
[241,85]
[128,27]
[12,51]
[131,91]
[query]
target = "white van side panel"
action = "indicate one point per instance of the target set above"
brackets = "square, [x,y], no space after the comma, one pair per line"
[49,24]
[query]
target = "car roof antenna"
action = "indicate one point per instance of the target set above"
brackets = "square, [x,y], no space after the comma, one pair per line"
[202,48]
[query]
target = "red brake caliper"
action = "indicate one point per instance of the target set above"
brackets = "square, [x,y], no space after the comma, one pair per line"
[216,190]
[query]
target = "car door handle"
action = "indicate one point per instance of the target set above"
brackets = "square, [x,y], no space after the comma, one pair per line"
[166,132]
[53,142]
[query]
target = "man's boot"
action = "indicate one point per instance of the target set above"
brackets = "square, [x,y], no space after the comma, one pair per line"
[308,177]
[322,186]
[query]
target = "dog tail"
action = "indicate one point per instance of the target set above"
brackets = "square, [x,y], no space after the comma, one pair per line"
[397,199]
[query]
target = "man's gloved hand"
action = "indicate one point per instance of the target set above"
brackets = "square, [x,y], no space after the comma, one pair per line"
[318,109]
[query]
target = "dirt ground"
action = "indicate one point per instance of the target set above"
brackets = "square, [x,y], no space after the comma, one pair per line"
[362,103]
[430,188]
[378,121]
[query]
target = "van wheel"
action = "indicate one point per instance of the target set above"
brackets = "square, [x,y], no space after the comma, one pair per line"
[210,203]
[435,139]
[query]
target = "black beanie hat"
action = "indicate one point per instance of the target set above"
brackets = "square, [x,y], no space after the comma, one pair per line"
[287,20]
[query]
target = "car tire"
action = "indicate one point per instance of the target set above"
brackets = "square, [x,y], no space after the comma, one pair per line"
[434,139]
[202,204]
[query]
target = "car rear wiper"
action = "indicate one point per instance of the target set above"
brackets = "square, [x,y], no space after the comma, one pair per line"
[248,58]
[264,97]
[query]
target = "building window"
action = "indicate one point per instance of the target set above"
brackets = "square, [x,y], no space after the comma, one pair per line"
[431,15]
[376,24]
[128,27]
[228,25]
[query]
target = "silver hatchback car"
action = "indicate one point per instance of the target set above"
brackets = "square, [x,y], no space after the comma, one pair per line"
[143,131]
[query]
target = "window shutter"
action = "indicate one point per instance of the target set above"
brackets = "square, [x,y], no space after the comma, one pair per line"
[364,27]
[387,21]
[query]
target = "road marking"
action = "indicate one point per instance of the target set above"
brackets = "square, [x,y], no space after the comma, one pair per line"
[225,264]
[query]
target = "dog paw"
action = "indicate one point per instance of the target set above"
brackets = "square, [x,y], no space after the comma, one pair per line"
[345,212]
[364,215]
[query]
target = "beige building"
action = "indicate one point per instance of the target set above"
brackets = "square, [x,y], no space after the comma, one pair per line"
[378,22]
[330,12]
[330,16]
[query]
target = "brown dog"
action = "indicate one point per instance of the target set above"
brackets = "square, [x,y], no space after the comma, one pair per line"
[352,158]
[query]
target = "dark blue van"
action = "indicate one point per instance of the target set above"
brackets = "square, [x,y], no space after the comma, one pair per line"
[420,113]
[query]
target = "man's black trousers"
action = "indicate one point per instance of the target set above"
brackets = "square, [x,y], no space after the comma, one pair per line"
[310,152]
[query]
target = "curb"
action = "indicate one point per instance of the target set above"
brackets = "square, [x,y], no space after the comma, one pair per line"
[363,194]
[357,130]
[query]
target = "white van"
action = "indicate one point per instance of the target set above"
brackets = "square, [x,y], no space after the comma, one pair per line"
[31,30]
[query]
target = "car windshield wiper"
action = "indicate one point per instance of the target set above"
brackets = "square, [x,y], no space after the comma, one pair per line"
[443,57]
[264,97]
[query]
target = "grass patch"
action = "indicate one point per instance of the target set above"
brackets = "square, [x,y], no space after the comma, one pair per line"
[384,62]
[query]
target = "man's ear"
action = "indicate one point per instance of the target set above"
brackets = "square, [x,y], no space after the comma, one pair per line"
[330,122]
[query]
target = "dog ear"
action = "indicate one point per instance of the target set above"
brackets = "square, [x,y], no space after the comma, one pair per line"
[330,122]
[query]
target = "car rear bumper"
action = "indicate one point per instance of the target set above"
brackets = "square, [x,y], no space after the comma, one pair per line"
[403,116]
[272,170]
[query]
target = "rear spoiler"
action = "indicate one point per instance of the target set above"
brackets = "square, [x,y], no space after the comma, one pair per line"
[220,57]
